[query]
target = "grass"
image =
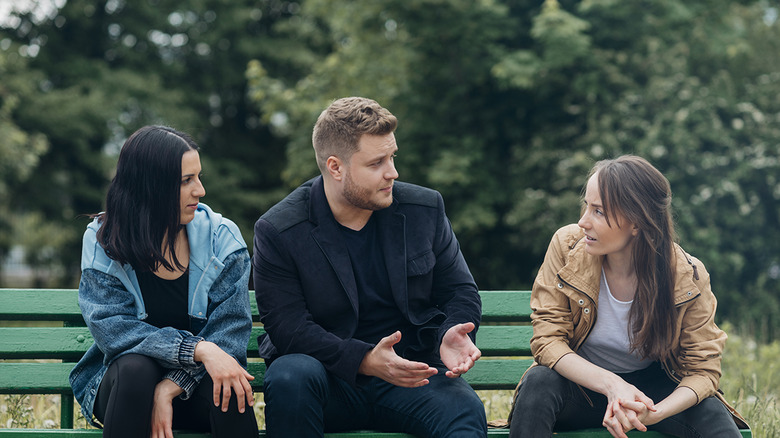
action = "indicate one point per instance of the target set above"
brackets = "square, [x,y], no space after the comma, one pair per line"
[751,382]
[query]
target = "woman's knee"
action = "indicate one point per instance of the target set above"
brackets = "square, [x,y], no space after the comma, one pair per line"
[540,379]
[539,385]
[135,371]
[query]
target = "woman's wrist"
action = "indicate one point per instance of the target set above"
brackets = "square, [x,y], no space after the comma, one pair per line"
[202,350]
[167,390]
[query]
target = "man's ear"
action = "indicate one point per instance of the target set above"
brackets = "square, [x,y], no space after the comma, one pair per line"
[335,167]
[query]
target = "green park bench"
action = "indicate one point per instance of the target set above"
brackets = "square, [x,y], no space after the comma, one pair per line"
[37,355]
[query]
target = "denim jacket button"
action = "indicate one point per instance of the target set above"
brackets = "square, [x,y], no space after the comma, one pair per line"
[560,285]
[581,302]
[586,311]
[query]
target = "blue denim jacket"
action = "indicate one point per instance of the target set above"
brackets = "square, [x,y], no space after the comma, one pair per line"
[113,308]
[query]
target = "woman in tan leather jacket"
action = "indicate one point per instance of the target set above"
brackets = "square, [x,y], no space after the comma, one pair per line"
[623,320]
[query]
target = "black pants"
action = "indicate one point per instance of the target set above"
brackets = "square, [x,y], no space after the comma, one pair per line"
[547,401]
[126,394]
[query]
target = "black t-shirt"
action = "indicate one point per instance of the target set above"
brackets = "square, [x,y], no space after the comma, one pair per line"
[378,314]
[165,300]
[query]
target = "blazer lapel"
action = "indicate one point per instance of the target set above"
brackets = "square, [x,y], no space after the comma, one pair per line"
[392,235]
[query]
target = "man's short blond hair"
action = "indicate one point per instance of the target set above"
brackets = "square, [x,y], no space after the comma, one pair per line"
[340,126]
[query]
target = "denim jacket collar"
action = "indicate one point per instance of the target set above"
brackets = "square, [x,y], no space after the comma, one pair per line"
[206,261]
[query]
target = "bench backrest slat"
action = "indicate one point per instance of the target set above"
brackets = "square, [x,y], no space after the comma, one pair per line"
[52,328]
[62,305]
[69,343]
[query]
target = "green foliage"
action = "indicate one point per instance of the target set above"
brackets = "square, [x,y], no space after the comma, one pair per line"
[98,71]
[751,380]
[20,150]
[503,105]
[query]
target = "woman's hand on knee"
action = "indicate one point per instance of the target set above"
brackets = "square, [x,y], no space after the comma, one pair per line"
[227,374]
[162,408]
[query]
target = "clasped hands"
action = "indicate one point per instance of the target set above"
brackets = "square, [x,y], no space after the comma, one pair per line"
[633,410]
[457,352]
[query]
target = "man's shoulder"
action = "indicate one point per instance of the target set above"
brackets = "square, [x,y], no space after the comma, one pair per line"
[407,193]
[291,210]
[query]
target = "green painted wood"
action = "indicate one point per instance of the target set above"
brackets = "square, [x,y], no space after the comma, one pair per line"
[66,411]
[40,305]
[44,342]
[497,373]
[62,305]
[52,378]
[506,305]
[34,378]
[71,342]
[496,340]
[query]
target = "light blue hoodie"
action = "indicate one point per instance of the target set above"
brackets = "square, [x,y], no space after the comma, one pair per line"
[113,308]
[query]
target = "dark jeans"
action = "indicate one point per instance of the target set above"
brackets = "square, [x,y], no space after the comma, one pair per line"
[126,394]
[547,401]
[304,400]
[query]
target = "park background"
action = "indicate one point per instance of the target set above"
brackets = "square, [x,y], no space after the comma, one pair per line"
[503,106]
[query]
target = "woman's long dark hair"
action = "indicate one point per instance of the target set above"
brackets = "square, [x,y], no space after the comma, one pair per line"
[142,204]
[631,187]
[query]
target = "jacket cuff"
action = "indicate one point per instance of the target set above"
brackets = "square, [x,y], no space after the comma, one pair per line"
[184,380]
[552,353]
[700,385]
[187,351]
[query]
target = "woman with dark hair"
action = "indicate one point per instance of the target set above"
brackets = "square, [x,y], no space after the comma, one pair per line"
[624,332]
[164,293]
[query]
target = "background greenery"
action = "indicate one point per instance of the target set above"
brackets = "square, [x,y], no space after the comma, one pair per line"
[503,106]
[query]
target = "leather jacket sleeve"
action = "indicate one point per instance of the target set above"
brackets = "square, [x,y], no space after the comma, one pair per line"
[552,317]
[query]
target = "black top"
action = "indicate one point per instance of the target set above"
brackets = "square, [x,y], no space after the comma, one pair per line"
[378,314]
[165,300]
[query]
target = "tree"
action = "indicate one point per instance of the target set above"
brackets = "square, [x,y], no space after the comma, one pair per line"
[504,106]
[20,150]
[101,70]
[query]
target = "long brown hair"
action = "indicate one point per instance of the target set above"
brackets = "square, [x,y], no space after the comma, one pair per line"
[631,187]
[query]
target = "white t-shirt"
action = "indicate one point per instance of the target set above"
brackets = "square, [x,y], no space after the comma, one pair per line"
[609,343]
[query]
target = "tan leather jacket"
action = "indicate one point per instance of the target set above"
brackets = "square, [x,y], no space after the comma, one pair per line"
[565,298]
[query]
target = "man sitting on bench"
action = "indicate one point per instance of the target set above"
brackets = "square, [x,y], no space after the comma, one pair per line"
[369,307]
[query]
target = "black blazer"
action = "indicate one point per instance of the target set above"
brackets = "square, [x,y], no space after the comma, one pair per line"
[305,288]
